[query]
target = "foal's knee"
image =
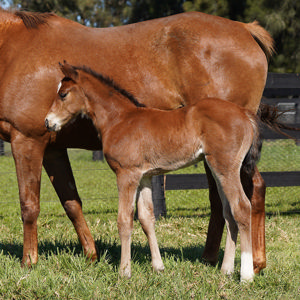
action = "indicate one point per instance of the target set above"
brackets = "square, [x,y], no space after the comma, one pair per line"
[125,224]
[242,213]
[146,215]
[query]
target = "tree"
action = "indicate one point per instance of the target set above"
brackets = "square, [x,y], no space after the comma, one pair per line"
[217,8]
[95,13]
[148,9]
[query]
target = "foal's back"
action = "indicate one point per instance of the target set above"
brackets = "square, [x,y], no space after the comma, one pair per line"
[168,140]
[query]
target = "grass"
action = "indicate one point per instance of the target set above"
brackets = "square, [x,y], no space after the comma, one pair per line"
[64,273]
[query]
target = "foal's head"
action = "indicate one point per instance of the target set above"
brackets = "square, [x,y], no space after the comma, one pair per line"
[71,99]
[69,102]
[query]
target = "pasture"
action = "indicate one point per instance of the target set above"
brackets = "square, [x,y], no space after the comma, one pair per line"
[63,272]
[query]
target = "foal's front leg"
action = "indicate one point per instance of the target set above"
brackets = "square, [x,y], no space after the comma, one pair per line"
[127,186]
[147,220]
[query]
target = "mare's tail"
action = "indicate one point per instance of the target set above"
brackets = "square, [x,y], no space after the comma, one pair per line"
[262,37]
[253,155]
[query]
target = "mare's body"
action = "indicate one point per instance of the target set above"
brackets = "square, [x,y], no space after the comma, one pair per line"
[166,63]
[140,142]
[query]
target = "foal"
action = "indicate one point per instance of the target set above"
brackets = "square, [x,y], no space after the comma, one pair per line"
[140,142]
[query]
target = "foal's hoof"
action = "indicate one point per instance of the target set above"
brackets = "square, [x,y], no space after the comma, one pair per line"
[29,261]
[158,268]
[125,273]
[247,279]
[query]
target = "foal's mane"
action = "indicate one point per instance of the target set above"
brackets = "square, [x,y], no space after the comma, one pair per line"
[110,82]
[33,19]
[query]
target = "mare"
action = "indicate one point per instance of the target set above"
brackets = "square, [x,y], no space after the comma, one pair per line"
[140,142]
[166,63]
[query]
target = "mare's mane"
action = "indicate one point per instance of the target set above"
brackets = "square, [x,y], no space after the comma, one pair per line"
[110,82]
[33,19]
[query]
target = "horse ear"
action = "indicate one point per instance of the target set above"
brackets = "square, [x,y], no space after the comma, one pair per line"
[69,71]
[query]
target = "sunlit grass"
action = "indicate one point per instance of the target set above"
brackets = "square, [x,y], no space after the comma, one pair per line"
[63,272]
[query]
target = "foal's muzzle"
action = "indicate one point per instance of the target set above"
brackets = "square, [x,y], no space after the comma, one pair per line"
[50,128]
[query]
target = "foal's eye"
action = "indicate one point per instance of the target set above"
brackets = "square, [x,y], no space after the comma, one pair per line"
[63,95]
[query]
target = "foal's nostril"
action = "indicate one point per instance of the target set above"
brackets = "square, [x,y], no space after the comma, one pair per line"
[50,128]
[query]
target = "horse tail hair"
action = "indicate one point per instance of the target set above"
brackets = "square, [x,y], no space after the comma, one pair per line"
[253,155]
[262,37]
[269,116]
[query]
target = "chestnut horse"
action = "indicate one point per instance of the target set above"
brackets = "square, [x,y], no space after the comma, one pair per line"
[140,142]
[166,63]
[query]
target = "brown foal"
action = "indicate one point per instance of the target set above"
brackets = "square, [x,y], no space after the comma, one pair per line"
[140,142]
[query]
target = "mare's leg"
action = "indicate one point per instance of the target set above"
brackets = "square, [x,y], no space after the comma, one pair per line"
[216,222]
[147,220]
[28,155]
[57,165]
[127,186]
[255,190]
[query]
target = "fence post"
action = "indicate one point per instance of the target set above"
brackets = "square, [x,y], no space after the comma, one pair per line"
[98,155]
[1,147]
[158,196]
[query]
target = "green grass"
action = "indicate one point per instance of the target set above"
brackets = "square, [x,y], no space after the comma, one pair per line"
[63,272]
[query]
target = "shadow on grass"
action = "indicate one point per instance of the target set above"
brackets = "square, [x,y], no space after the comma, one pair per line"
[111,251]
[283,213]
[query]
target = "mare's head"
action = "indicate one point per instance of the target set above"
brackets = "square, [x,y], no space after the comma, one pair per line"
[69,101]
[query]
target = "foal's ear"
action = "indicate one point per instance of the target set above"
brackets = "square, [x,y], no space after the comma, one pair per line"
[69,71]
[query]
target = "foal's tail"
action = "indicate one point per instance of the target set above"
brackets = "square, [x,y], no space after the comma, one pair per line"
[269,116]
[253,155]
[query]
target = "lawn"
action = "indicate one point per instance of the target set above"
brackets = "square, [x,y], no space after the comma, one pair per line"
[63,272]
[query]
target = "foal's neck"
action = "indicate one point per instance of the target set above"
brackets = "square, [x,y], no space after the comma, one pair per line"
[106,106]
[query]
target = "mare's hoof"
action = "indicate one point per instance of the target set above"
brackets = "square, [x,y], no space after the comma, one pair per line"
[257,267]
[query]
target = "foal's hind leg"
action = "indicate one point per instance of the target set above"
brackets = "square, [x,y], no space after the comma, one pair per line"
[255,189]
[231,237]
[147,220]
[232,194]
[57,165]
[237,209]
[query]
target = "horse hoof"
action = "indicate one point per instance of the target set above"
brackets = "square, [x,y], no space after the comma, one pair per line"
[257,267]
[247,279]
[125,273]
[159,268]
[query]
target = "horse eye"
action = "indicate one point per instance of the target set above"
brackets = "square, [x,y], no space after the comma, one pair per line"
[63,95]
